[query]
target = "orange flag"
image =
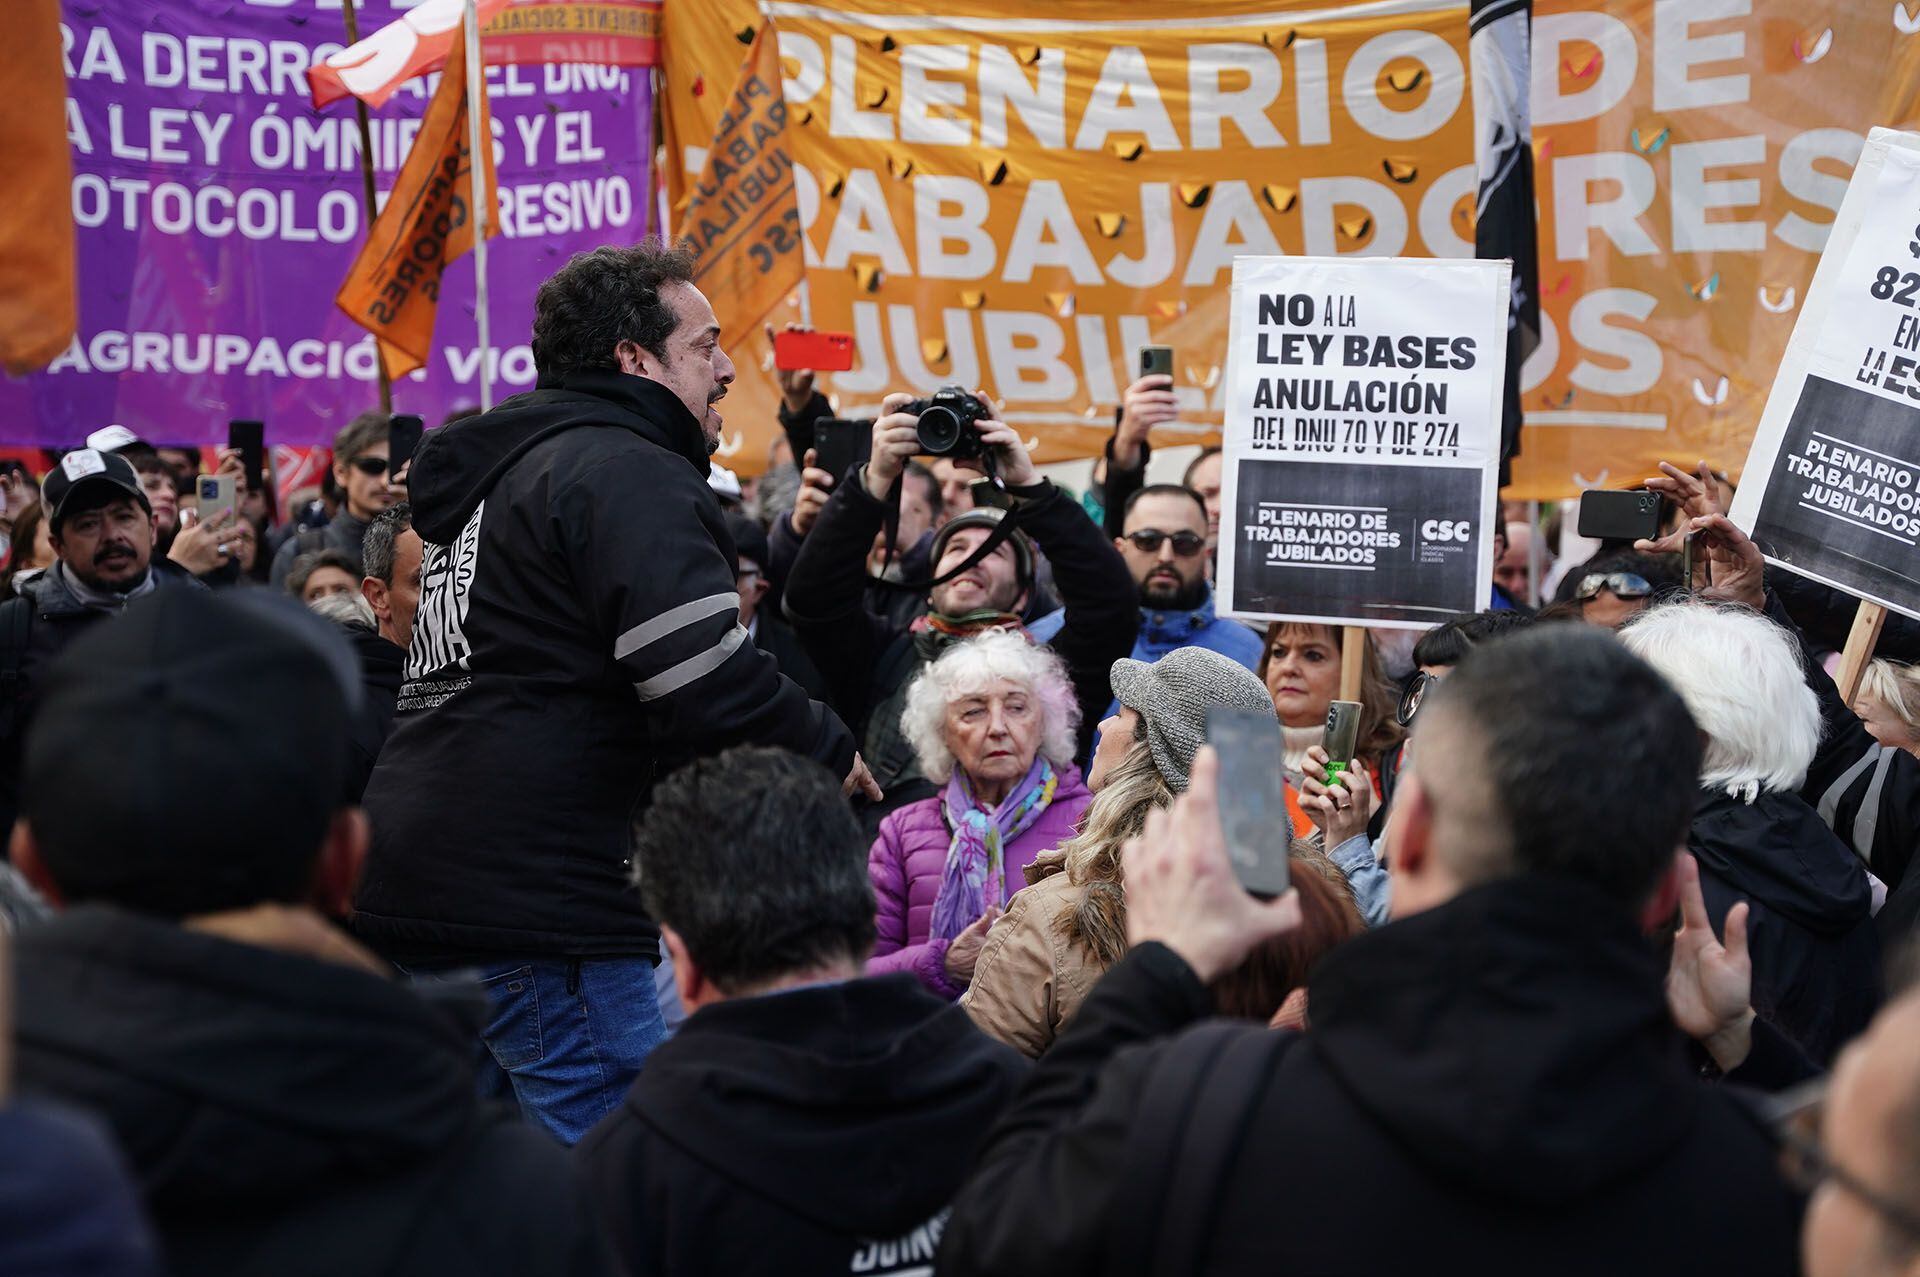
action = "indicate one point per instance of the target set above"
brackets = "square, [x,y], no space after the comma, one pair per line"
[742,221]
[374,69]
[394,286]
[37,285]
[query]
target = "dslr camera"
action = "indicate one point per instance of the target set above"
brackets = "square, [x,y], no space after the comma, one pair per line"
[946,423]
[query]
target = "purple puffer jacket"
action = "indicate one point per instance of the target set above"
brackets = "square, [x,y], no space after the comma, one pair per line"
[906,863]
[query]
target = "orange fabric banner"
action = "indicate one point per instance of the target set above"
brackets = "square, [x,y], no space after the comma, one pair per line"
[741,219]
[37,283]
[1689,160]
[393,289]
[379,64]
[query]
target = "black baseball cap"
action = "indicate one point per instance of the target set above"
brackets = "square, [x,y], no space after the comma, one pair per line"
[188,756]
[88,470]
[749,538]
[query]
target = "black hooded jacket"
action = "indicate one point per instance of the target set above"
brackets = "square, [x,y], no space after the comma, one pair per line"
[1492,1086]
[822,1130]
[285,1116]
[578,637]
[382,666]
[1816,956]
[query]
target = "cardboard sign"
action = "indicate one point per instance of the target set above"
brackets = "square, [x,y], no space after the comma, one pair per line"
[1832,485]
[1362,438]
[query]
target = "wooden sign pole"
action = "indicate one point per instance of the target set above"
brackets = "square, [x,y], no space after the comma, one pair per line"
[1353,660]
[1859,649]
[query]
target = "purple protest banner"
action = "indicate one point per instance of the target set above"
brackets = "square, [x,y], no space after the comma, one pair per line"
[218,213]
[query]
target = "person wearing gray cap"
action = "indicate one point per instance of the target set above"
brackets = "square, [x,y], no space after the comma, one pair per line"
[1058,936]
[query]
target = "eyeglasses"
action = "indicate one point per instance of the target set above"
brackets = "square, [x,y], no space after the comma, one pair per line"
[1417,688]
[1795,1118]
[1624,585]
[746,574]
[372,467]
[1185,544]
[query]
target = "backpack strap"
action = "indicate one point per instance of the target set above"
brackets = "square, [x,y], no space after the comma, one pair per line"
[1193,1117]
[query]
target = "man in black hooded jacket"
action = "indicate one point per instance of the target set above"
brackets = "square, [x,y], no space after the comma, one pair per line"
[804,1119]
[577,636]
[1493,1082]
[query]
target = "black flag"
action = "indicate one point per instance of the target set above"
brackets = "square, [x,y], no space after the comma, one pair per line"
[1501,52]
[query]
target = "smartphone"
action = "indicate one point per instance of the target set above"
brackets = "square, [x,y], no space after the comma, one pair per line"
[822,352]
[1253,800]
[1343,734]
[403,436]
[1619,516]
[841,443]
[1156,360]
[988,493]
[249,439]
[217,497]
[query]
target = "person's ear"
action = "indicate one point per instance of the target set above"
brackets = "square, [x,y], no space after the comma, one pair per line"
[1656,916]
[23,849]
[342,856]
[694,988]
[1120,544]
[374,591]
[633,360]
[1411,828]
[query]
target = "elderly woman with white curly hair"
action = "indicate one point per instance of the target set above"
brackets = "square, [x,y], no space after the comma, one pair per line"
[1808,898]
[993,722]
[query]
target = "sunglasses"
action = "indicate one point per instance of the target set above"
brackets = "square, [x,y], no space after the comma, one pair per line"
[1185,544]
[1417,688]
[372,467]
[1795,1118]
[1624,585]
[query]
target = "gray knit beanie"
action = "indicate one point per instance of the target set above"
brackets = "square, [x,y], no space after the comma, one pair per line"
[1173,696]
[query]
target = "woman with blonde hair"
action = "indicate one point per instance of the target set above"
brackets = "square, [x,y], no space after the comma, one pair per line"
[1888,702]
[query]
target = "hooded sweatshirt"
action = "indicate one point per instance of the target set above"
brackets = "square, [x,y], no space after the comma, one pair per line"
[284,1115]
[1491,1086]
[1816,955]
[820,1130]
[578,637]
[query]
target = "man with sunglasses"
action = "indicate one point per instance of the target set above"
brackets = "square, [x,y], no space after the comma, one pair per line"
[360,472]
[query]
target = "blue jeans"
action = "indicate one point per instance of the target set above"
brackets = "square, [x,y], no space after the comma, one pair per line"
[569,1035]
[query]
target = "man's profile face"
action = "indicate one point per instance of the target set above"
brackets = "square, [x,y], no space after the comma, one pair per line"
[108,547]
[693,367]
[991,584]
[1167,577]
[403,595]
[1862,1130]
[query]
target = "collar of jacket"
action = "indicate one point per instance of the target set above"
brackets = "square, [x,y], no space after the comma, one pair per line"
[645,398]
[1162,623]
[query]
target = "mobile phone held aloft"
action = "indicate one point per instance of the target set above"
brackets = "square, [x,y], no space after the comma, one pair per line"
[1253,802]
[1156,360]
[216,494]
[822,352]
[1343,735]
[403,436]
[249,439]
[840,444]
[1619,516]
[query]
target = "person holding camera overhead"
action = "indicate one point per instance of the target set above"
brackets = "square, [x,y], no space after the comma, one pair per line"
[869,659]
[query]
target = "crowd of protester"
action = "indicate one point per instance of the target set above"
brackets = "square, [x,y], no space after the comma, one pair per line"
[557,855]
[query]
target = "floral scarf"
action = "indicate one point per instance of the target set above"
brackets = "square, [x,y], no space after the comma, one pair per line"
[975,873]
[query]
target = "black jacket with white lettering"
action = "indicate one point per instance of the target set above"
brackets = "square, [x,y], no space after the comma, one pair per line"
[578,637]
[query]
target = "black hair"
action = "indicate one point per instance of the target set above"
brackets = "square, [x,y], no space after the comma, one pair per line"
[307,564]
[363,432]
[602,298]
[376,548]
[1186,479]
[1166,490]
[1449,644]
[1591,756]
[1661,571]
[756,860]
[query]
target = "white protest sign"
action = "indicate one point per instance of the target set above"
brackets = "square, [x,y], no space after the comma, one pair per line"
[1362,438]
[1831,488]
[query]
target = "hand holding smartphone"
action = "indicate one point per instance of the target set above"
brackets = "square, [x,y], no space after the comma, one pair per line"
[1343,735]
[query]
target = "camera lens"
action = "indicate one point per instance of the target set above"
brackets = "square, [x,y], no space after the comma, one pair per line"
[939,430]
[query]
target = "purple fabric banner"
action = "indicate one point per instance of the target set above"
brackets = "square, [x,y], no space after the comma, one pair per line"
[218,213]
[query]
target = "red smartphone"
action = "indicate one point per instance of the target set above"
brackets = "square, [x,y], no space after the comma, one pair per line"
[822,352]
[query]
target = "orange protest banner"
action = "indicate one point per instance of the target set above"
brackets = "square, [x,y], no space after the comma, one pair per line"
[37,307]
[741,220]
[393,289]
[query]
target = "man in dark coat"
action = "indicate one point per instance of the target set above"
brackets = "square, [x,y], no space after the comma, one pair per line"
[804,1119]
[1493,1082]
[286,1105]
[578,636]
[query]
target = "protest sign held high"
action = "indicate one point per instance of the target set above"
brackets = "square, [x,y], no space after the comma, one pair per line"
[1833,481]
[1362,438]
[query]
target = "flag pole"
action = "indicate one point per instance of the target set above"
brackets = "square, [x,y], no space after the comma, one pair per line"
[482,213]
[371,200]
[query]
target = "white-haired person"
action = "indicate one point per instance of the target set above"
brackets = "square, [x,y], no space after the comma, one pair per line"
[992,721]
[1816,958]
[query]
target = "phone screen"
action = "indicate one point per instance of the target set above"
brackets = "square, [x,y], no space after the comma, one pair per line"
[249,439]
[1253,801]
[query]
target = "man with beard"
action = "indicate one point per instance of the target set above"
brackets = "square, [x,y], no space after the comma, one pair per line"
[1165,546]
[103,532]
[577,636]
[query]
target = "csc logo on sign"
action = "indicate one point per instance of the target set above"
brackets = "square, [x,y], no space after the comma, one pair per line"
[1446,530]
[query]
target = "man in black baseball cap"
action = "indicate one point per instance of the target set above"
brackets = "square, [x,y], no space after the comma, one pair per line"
[286,1104]
[101,526]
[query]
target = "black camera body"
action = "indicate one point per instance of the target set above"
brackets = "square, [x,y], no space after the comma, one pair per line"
[947,417]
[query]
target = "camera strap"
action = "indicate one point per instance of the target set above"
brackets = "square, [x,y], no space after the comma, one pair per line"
[1001,534]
